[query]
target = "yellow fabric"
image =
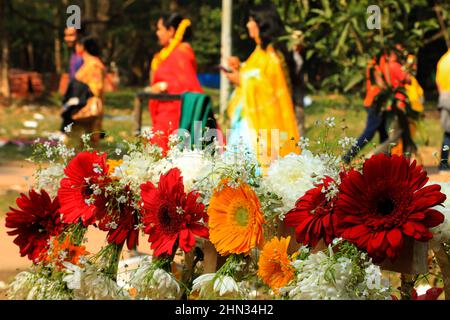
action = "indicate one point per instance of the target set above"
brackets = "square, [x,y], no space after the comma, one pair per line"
[415,94]
[92,73]
[443,73]
[266,103]
[165,52]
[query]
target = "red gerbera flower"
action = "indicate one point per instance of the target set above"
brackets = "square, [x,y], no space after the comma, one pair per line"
[36,220]
[431,294]
[122,224]
[171,216]
[311,216]
[81,193]
[377,208]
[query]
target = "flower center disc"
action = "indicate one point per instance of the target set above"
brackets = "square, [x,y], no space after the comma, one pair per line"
[385,207]
[242,216]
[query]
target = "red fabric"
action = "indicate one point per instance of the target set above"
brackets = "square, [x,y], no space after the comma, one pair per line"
[372,90]
[396,76]
[179,70]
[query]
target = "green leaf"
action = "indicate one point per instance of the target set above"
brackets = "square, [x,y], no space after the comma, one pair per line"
[354,81]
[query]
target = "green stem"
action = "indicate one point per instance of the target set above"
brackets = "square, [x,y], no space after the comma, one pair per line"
[407,286]
[108,258]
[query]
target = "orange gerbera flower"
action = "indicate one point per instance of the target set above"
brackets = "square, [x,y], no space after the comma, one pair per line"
[113,164]
[274,265]
[235,220]
[66,251]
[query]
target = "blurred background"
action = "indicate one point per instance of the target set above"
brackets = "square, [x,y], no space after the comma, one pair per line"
[335,49]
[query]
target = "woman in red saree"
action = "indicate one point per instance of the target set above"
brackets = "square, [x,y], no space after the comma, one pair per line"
[173,71]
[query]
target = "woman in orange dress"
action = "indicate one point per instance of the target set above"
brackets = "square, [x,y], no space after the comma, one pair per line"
[92,73]
[173,71]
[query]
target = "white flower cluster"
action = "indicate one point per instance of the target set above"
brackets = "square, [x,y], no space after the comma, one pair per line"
[347,142]
[136,167]
[212,286]
[88,283]
[323,276]
[49,178]
[152,282]
[441,233]
[37,286]
[290,177]
[303,143]
[194,165]
[54,150]
[329,122]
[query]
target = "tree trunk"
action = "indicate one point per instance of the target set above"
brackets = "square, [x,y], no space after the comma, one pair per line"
[57,41]
[89,15]
[4,53]
[58,64]
[30,54]
[103,10]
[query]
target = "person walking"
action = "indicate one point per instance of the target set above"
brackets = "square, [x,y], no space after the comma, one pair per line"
[443,85]
[388,71]
[261,108]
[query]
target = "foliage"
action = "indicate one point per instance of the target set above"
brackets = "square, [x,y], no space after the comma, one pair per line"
[337,42]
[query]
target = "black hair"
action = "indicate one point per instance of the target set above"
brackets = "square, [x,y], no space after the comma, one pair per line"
[174,20]
[91,45]
[271,27]
[269,23]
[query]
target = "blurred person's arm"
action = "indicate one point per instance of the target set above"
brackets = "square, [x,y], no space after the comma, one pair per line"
[234,76]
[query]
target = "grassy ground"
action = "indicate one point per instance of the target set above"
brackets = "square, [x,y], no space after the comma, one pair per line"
[118,122]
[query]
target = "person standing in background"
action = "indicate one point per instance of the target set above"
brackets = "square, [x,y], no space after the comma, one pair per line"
[74,64]
[92,73]
[443,85]
[379,74]
[75,60]
[262,103]
[375,121]
[173,71]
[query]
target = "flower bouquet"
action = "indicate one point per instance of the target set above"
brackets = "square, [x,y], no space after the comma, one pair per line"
[218,227]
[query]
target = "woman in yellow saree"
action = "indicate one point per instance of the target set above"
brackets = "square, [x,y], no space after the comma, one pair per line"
[261,108]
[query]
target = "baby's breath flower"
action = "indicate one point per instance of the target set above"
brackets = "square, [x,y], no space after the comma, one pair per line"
[68,128]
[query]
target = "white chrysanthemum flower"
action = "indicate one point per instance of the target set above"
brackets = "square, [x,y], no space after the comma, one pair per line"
[193,164]
[73,277]
[323,276]
[224,285]
[49,178]
[21,286]
[290,177]
[90,284]
[373,277]
[136,168]
[211,285]
[203,284]
[37,286]
[152,282]
[166,283]
[97,286]
[441,233]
